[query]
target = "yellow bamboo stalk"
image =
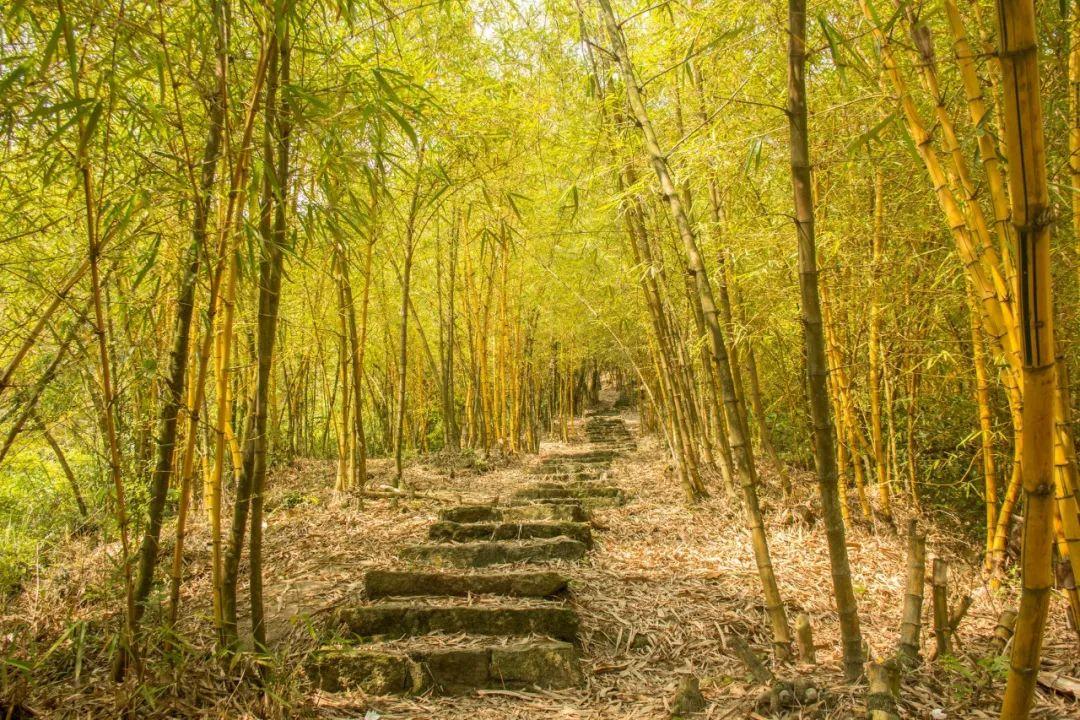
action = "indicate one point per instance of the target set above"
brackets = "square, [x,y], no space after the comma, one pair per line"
[1071,593]
[223,343]
[1008,504]
[874,350]
[846,403]
[1074,118]
[841,443]
[1030,202]
[999,323]
[980,119]
[986,430]
[196,376]
[964,184]
[1065,475]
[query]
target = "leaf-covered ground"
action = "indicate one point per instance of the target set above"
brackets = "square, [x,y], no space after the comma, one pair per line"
[660,596]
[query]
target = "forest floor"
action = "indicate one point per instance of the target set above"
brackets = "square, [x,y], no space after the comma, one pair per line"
[660,596]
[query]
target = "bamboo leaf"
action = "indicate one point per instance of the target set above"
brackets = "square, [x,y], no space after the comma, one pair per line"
[832,37]
[874,133]
[93,118]
[8,81]
[148,261]
[404,124]
[50,49]
[753,156]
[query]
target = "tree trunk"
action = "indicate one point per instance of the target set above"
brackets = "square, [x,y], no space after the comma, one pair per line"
[227,569]
[180,352]
[814,337]
[269,302]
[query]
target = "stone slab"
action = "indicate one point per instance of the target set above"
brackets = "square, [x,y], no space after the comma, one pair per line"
[445,531]
[390,583]
[401,619]
[486,553]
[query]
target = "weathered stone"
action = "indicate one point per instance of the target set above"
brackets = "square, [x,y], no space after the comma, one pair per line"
[387,670]
[540,664]
[592,456]
[569,475]
[574,488]
[553,491]
[471,514]
[483,554]
[334,669]
[491,513]
[385,583]
[566,512]
[585,503]
[454,670]
[465,532]
[404,619]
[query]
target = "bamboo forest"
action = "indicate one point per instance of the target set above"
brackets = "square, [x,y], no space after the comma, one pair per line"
[577,359]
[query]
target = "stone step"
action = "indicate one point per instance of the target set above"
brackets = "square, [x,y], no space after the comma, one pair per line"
[391,583]
[504,552]
[569,468]
[580,487]
[589,503]
[389,670]
[608,442]
[569,472]
[444,530]
[491,513]
[593,456]
[471,513]
[569,491]
[402,619]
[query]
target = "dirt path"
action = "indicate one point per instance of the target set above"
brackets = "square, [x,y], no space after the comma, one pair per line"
[664,587]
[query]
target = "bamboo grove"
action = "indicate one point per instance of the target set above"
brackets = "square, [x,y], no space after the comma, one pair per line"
[239,236]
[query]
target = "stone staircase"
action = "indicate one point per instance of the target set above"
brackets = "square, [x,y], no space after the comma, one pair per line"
[484,603]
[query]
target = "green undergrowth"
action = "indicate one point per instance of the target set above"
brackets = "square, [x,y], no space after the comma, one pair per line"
[37,512]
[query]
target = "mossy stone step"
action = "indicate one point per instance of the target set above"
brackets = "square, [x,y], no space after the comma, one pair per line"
[587,503]
[522,513]
[471,514]
[400,619]
[569,473]
[547,664]
[593,457]
[390,583]
[444,530]
[572,505]
[485,553]
[555,490]
[580,486]
[375,672]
